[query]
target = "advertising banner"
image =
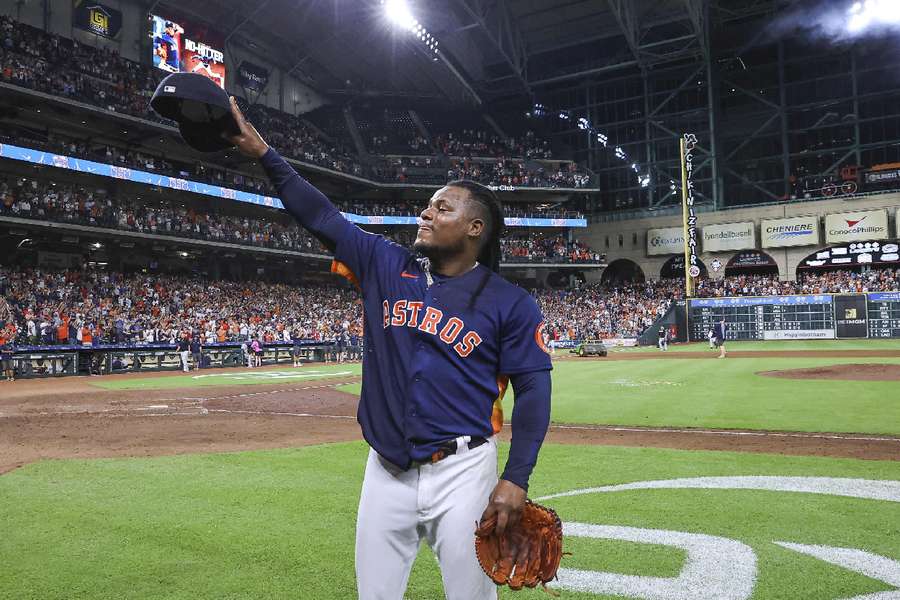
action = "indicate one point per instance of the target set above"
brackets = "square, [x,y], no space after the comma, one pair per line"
[252,77]
[61,161]
[854,226]
[728,236]
[796,231]
[887,176]
[798,334]
[856,253]
[669,240]
[97,18]
[751,259]
[850,316]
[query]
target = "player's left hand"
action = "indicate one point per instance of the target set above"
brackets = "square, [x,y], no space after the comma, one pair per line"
[506,504]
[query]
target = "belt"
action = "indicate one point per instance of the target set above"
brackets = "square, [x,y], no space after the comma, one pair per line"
[449,448]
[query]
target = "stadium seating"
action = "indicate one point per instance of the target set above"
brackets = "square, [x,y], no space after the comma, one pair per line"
[150,308]
[34,59]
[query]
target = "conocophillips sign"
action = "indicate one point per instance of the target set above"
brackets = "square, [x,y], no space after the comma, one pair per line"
[669,240]
[849,227]
[796,231]
[728,236]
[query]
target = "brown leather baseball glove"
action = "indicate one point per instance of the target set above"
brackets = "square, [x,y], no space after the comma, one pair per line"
[525,555]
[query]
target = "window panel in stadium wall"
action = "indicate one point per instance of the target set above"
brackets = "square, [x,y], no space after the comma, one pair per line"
[854,226]
[728,236]
[796,231]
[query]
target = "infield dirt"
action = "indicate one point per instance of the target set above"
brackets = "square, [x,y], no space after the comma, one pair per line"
[69,418]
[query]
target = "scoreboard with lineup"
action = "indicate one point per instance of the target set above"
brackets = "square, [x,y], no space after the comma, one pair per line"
[817,316]
[764,317]
[883,314]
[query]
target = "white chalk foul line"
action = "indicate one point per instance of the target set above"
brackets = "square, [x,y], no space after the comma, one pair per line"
[281,414]
[821,436]
[888,490]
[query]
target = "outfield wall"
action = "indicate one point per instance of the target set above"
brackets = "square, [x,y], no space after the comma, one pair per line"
[818,316]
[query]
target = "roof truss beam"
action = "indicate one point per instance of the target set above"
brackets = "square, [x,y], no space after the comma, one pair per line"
[497,24]
[628,22]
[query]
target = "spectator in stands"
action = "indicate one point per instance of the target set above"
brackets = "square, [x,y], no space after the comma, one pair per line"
[52,64]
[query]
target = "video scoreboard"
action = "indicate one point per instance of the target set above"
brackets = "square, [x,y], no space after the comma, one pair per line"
[818,316]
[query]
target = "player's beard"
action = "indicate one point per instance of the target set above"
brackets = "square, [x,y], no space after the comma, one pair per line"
[436,253]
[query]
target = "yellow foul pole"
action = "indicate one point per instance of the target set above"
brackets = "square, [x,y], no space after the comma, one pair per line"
[688,280]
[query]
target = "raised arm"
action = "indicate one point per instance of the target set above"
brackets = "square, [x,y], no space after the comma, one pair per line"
[302,200]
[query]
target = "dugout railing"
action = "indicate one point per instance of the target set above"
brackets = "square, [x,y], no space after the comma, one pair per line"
[68,360]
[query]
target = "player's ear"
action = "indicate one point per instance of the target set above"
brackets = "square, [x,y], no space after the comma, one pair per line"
[476,227]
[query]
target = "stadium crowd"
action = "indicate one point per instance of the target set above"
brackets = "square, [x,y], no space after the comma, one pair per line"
[515,173]
[601,311]
[68,203]
[534,246]
[91,307]
[97,307]
[810,282]
[34,59]
[469,143]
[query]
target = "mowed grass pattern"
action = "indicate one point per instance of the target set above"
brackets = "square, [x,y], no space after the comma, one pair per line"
[280,524]
[722,394]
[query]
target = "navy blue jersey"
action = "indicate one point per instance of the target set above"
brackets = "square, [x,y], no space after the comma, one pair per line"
[435,363]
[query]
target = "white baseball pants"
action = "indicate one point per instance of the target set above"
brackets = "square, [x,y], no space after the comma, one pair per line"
[440,503]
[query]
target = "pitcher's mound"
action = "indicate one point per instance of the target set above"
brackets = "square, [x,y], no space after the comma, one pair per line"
[866,372]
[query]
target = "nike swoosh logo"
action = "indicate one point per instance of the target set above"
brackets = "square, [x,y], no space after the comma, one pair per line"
[408,275]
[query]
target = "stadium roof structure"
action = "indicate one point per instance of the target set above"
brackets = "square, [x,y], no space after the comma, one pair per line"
[489,49]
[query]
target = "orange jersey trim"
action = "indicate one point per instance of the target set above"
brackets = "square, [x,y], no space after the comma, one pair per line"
[339,268]
[497,413]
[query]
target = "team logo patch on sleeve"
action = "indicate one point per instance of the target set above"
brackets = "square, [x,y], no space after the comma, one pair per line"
[539,337]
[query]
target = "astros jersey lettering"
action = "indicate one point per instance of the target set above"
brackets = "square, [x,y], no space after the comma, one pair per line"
[432,354]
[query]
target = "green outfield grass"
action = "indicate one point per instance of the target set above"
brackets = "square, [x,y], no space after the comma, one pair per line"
[719,394]
[780,345]
[280,524]
[238,376]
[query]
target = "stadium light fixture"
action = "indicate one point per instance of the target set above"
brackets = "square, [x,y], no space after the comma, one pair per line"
[872,13]
[398,13]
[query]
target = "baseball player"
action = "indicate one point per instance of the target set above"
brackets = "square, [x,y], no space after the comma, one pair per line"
[183,347]
[6,358]
[721,329]
[444,335]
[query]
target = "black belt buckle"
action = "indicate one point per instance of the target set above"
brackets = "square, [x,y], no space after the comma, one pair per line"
[449,448]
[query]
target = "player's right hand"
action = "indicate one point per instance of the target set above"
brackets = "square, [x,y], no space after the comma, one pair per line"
[248,141]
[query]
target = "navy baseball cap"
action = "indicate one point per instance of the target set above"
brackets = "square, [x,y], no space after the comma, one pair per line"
[200,107]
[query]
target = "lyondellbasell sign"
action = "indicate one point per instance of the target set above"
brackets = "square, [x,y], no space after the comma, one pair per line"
[728,236]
